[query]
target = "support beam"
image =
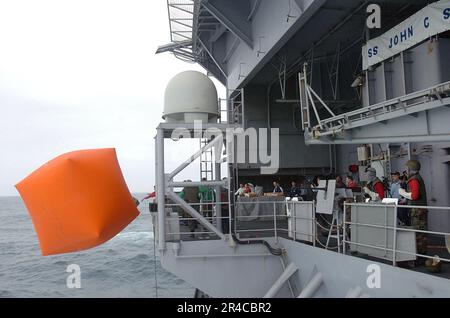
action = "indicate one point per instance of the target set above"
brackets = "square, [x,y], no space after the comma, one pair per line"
[288,272]
[160,189]
[300,5]
[229,14]
[402,72]
[383,111]
[379,140]
[218,33]
[354,292]
[222,183]
[383,81]
[311,288]
[213,58]
[255,7]
[231,50]
[218,189]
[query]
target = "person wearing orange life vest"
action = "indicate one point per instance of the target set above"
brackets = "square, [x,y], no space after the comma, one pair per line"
[416,195]
[375,187]
[350,182]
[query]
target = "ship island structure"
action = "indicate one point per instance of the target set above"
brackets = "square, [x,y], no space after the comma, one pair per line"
[357,89]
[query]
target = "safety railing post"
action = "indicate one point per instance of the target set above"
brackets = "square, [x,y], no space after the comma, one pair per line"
[394,256]
[234,219]
[314,227]
[294,219]
[160,189]
[344,230]
[275,222]
[385,231]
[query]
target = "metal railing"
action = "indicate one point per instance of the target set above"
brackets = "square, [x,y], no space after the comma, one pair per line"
[399,105]
[395,229]
[212,219]
[310,221]
[181,19]
[296,220]
[280,220]
[262,216]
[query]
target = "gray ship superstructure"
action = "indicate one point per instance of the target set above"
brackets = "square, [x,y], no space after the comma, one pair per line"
[341,97]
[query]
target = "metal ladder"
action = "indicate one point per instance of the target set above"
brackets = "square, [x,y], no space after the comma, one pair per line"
[236,107]
[206,161]
[339,236]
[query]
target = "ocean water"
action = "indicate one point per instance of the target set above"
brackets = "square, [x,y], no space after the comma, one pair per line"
[122,267]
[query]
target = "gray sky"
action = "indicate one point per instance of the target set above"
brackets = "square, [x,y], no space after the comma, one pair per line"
[82,74]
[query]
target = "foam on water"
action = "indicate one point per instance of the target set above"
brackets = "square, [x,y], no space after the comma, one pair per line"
[122,267]
[134,235]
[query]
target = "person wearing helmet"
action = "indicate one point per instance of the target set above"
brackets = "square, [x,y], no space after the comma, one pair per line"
[153,206]
[416,194]
[375,187]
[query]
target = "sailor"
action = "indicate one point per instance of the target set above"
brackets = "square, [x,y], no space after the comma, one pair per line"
[416,194]
[394,192]
[277,188]
[249,188]
[350,182]
[339,182]
[314,186]
[294,191]
[395,185]
[206,196]
[375,187]
[153,206]
[205,193]
[191,196]
[306,191]
[315,182]
[241,191]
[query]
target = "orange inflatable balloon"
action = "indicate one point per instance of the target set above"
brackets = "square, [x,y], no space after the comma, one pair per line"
[78,200]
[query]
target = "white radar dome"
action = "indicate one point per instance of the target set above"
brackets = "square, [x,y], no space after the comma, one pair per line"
[191,96]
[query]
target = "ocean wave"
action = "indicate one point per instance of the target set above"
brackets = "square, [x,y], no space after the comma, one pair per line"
[135,235]
[60,263]
[5,294]
[139,258]
[122,267]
